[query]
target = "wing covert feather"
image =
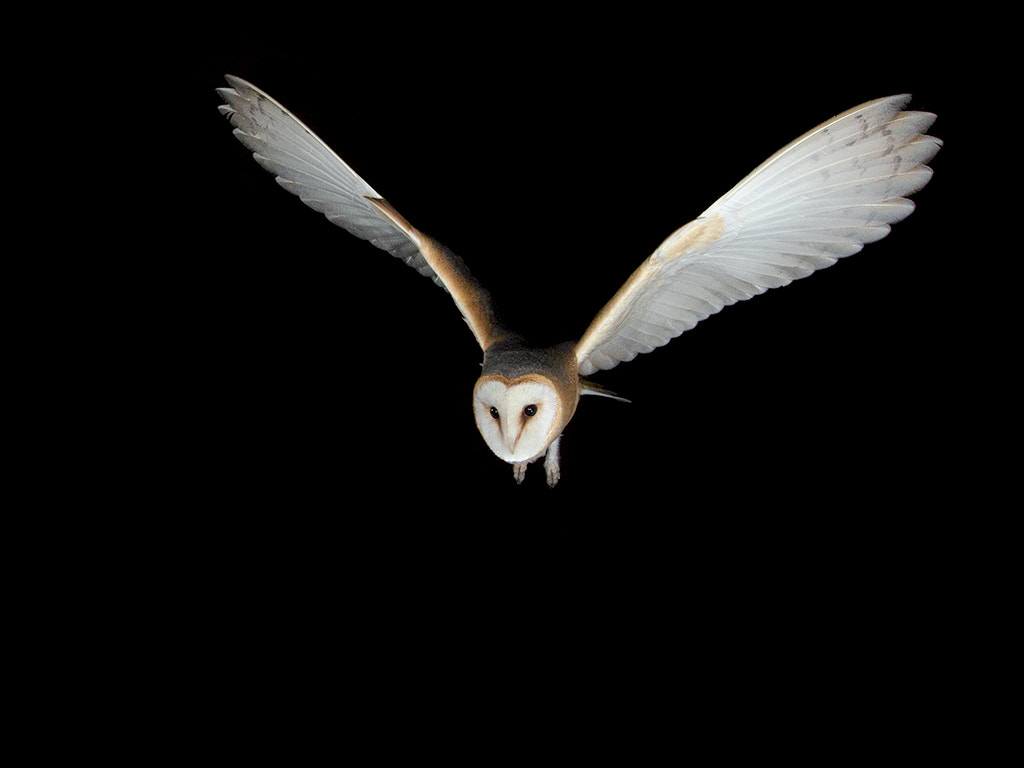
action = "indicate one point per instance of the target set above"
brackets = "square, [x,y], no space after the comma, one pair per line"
[818,199]
[304,165]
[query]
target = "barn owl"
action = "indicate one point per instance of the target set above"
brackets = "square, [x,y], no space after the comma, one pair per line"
[816,200]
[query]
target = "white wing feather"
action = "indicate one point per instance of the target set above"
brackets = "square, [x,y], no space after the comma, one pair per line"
[818,199]
[305,166]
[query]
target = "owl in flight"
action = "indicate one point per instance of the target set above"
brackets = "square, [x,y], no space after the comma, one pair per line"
[819,198]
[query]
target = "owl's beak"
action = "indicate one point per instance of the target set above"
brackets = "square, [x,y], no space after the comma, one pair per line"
[511,440]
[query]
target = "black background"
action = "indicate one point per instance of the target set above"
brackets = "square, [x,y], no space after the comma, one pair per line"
[763,517]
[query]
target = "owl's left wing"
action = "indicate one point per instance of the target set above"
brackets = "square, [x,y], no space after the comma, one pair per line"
[819,198]
[308,168]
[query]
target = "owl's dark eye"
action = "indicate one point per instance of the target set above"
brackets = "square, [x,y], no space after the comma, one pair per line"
[494,412]
[530,410]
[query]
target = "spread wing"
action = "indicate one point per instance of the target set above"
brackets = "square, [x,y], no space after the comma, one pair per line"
[307,167]
[818,199]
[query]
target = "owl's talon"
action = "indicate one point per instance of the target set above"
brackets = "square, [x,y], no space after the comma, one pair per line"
[551,467]
[519,471]
[554,475]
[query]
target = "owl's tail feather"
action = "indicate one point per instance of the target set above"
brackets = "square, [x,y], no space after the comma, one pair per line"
[590,388]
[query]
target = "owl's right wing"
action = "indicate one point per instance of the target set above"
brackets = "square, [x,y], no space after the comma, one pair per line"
[816,200]
[305,166]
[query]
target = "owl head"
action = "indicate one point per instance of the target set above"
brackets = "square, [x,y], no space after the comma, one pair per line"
[518,418]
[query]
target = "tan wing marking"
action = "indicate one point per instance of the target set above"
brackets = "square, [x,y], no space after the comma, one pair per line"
[694,237]
[472,300]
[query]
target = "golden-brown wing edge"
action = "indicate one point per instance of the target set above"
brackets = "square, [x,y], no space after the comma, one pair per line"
[470,297]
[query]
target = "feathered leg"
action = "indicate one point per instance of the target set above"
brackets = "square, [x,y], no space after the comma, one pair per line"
[551,463]
[519,471]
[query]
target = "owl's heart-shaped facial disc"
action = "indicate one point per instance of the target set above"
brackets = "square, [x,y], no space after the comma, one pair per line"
[516,418]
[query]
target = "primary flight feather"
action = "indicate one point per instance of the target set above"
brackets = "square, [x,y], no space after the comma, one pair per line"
[820,198]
